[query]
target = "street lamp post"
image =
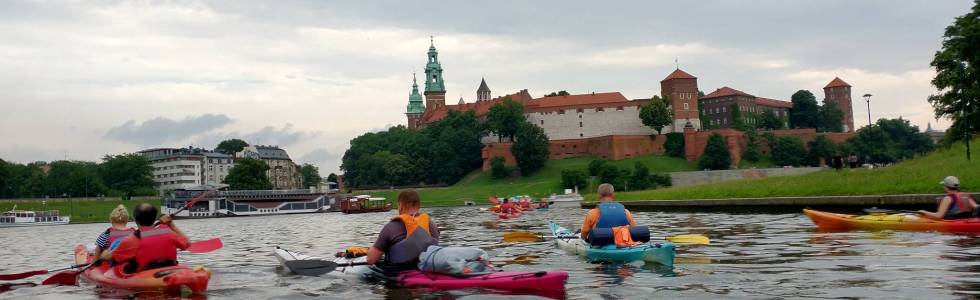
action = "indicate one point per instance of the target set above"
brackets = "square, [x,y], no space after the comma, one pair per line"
[867,98]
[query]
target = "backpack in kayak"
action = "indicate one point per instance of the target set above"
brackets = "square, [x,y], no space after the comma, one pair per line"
[456,261]
[600,237]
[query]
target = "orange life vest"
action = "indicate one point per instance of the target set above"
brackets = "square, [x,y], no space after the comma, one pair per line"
[417,239]
[116,234]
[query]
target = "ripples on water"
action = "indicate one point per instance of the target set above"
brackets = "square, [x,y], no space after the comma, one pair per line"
[751,256]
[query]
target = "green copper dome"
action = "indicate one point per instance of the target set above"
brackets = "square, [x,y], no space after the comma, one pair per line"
[433,71]
[415,99]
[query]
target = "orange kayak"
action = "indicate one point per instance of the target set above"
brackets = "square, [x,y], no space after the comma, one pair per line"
[176,279]
[904,221]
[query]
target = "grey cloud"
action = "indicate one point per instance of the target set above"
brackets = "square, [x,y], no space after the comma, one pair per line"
[160,130]
[268,135]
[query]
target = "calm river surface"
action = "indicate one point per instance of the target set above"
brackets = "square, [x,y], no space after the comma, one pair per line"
[751,256]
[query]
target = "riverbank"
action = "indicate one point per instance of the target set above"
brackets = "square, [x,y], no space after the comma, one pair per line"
[81,211]
[916,176]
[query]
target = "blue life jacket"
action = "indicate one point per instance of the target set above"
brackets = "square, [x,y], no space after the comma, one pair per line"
[611,214]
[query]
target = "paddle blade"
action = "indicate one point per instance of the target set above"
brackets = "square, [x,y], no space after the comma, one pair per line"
[22,275]
[311,267]
[63,278]
[205,246]
[521,236]
[689,239]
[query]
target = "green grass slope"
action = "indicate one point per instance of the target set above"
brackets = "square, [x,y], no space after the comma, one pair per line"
[81,211]
[915,176]
[477,186]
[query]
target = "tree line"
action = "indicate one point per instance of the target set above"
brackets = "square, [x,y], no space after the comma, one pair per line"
[887,141]
[443,152]
[123,175]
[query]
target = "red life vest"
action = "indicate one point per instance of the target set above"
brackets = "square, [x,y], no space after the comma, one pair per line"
[156,244]
[960,206]
[507,207]
[116,234]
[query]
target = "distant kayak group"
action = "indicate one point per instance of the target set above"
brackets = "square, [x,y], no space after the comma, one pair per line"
[406,252]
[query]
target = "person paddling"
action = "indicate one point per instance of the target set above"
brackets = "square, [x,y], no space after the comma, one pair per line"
[607,214]
[406,236]
[118,219]
[955,205]
[151,246]
[508,207]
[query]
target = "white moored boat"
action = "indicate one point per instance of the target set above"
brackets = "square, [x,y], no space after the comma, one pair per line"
[16,217]
[569,199]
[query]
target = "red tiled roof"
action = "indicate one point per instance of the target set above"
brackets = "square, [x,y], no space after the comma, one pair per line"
[572,100]
[725,91]
[480,107]
[678,74]
[836,83]
[773,102]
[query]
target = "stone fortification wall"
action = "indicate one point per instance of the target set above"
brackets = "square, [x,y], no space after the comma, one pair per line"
[703,177]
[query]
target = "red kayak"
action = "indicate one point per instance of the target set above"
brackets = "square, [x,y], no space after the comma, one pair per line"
[545,281]
[509,216]
[176,279]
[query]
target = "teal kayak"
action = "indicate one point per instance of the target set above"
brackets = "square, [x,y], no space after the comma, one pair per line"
[661,253]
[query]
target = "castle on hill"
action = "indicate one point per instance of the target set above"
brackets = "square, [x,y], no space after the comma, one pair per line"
[607,124]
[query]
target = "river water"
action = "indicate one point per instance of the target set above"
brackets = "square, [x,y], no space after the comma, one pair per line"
[752,256]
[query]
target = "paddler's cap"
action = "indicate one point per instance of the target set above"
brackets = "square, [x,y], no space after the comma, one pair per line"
[950,181]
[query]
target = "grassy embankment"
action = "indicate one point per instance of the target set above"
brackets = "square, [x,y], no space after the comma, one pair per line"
[916,176]
[478,186]
[81,211]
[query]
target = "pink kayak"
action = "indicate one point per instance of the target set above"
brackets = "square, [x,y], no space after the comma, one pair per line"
[508,216]
[543,281]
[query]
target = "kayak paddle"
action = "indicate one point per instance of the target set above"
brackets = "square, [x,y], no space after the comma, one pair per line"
[316,267]
[524,236]
[71,277]
[36,272]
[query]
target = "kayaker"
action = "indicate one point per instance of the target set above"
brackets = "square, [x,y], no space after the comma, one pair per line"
[508,207]
[607,214]
[151,246]
[406,236]
[118,219]
[955,205]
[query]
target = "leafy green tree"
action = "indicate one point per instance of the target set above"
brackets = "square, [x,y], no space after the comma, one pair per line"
[805,111]
[571,179]
[769,120]
[396,168]
[890,140]
[655,114]
[752,152]
[674,145]
[74,178]
[28,181]
[530,148]
[716,155]
[332,178]
[820,148]
[705,121]
[611,174]
[231,146]
[596,165]
[788,151]
[505,118]
[738,121]
[830,118]
[661,179]
[311,175]
[6,180]
[957,78]
[498,168]
[640,179]
[248,174]
[558,93]
[127,173]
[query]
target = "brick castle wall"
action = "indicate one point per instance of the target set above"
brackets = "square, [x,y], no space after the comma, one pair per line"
[612,147]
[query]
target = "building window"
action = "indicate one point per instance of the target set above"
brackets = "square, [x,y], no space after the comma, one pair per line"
[685,106]
[598,109]
[579,124]
[581,135]
[580,111]
[542,122]
[619,108]
[561,111]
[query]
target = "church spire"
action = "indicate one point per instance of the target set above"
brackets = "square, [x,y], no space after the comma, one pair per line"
[433,70]
[415,99]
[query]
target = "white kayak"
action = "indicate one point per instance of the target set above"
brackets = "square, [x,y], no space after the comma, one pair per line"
[343,270]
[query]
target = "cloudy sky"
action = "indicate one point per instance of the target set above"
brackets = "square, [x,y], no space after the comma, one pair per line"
[80,79]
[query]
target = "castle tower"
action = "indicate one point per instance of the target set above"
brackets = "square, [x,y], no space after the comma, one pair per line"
[483,93]
[435,89]
[415,108]
[839,92]
[681,91]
